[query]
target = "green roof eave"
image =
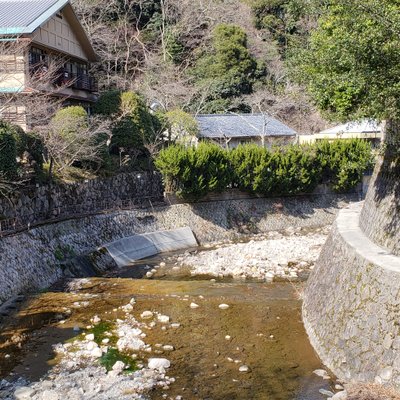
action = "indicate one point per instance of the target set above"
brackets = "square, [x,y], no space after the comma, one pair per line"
[11,89]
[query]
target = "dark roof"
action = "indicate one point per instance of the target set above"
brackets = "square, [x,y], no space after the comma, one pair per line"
[241,125]
[24,16]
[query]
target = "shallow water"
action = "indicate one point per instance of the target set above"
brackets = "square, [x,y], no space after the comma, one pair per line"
[263,321]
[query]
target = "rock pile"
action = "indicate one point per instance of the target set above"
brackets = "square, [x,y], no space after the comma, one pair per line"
[270,256]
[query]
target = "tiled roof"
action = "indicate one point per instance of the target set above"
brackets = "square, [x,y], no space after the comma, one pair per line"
[241,125]
[24,16]
[364,126]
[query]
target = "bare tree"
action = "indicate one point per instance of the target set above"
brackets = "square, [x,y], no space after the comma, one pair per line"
[72,138]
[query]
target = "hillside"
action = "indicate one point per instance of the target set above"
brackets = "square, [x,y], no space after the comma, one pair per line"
[204,56]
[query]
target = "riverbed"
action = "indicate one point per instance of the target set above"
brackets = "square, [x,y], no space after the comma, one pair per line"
[224,336]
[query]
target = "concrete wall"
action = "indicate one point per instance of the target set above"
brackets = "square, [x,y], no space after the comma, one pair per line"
[351,305]
[35,259]
[380,218]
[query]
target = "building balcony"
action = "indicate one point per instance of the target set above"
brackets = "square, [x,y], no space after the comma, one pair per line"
[61,77]
[76,81]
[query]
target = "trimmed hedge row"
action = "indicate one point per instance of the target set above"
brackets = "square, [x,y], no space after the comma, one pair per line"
[195,171]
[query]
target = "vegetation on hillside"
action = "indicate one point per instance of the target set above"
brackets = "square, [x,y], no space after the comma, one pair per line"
[202,57]
[163,61]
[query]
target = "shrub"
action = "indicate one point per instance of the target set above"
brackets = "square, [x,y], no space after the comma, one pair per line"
[8,152]
[195,171]
[244,161]
[137,127]
[108,103]
[343,162]
[29,143]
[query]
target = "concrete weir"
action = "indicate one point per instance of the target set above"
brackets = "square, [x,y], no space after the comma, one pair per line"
[351,307]
[129,249]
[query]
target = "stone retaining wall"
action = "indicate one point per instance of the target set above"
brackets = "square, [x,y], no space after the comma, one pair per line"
[51,202]
[351,306]
[34,259]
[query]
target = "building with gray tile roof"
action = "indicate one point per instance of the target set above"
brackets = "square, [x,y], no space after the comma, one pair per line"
[235,129]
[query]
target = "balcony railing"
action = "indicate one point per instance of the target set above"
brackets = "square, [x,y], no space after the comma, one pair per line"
[63,77]
[76,81]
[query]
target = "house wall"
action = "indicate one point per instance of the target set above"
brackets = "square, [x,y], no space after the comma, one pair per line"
[12,73]
[268,141]
[57,34]
[373,137]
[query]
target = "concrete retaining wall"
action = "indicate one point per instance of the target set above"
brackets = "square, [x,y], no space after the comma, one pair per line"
[351,308]
[380,218]
[35,259]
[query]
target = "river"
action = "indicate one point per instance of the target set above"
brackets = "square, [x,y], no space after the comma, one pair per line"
[261,331]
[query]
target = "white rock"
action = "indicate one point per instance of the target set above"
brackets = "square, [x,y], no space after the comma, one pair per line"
[127,308]
[105,341]
[146,314]
[96,352]
[50,395]
[227,337]
[168,347]
[244,368]
[320,372]
[175,325]
[96,319]
[162,264]
[91,345]
[340,395]
[89,337]
[194,305]
[164,319]
[157,363]
[132,301]
[386,373]
[269,276]
[119,366]
[325,392]
[130,343]
[149,274]
[223,306]
[23,393]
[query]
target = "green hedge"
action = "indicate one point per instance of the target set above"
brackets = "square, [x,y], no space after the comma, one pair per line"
[195,171]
